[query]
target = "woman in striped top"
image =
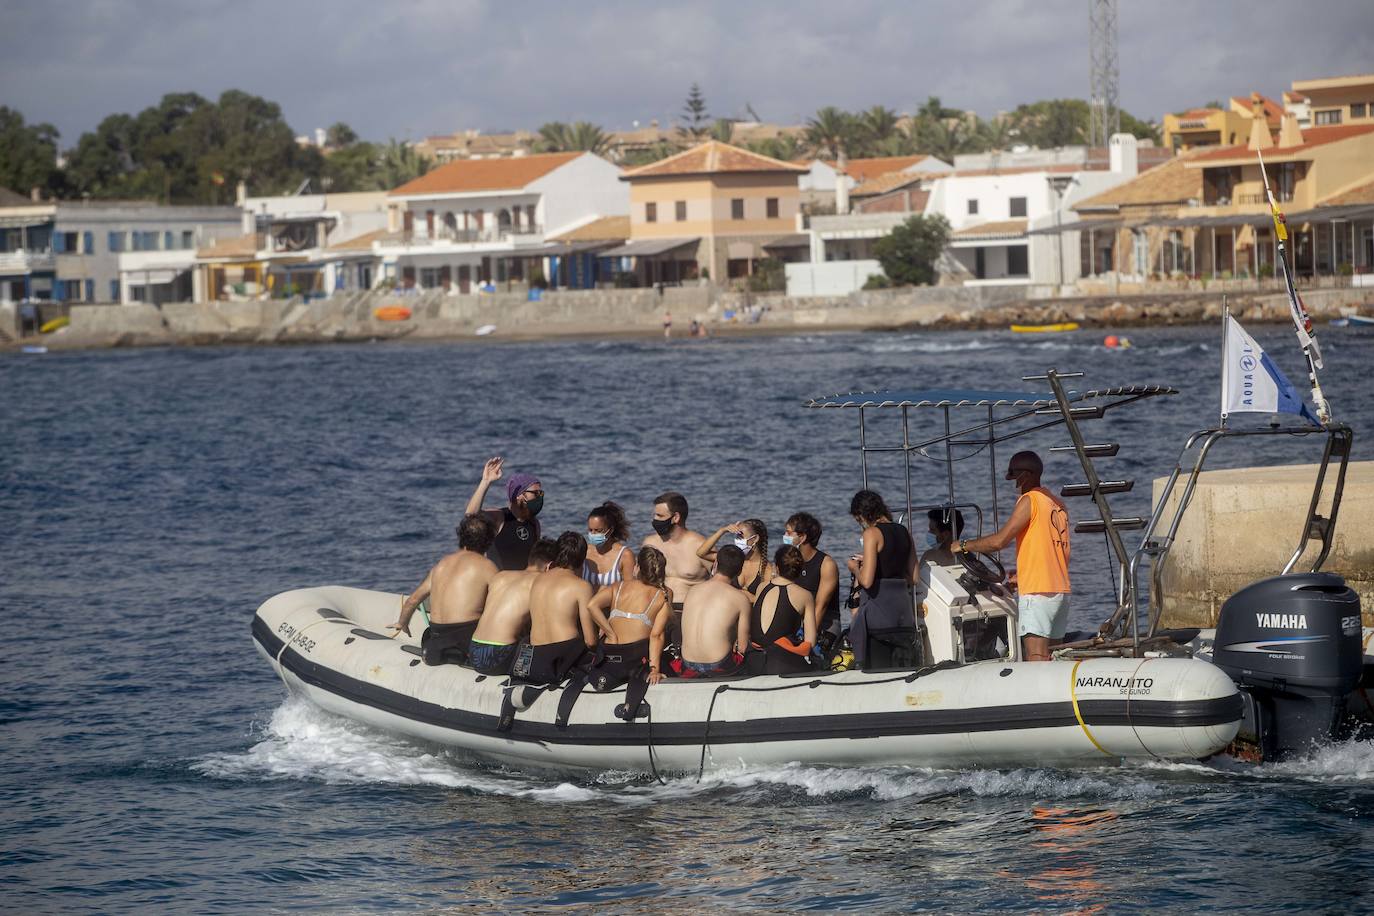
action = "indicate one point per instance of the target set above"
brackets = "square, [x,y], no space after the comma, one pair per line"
[609,559]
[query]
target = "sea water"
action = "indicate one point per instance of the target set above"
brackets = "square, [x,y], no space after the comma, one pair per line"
[151,499]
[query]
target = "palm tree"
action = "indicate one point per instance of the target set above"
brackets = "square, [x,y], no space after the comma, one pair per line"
[588,137]
[830,130]
[553,137]
[879,125]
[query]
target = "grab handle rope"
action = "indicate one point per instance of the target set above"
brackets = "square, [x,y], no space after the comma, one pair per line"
[1077,714]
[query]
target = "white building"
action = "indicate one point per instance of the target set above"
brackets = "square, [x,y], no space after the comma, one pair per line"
[473,222]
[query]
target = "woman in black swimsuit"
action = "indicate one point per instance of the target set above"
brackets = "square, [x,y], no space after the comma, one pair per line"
[782,608]
[883,626]
[751,536]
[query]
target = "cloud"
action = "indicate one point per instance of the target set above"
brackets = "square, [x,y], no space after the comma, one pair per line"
[409,68]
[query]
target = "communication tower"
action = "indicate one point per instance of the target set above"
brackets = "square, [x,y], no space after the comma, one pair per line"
[1104,116]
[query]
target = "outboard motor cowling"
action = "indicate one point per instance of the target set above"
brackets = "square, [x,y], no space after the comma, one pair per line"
[1292,644]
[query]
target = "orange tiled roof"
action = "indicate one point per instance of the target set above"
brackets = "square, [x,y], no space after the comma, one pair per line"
[711,158]
[508,174]
[1273,111]
[1170,182]
[997,227]
[605,229]
[9,198]
[1312,136]
[1194,114]
[240,246]
[862,170]
[1360,194]
[890,182]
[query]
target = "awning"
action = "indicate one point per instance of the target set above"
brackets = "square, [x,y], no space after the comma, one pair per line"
[153,276]
[1083,225]
[796,240]
[15,222]
[559,250]
[972,397]
[648,248]
[1326,214]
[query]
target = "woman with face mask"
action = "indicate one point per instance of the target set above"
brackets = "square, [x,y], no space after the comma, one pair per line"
[883,626]
[750,536]
[609,559]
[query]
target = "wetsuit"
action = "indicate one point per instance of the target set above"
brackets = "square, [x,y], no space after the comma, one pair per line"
[883,628]
[810,579]
[551,663]
[771,651]
[447,643]
[513,543]
[618,663]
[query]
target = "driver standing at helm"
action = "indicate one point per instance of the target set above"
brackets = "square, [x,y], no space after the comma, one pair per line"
[1040,526]
[517,529]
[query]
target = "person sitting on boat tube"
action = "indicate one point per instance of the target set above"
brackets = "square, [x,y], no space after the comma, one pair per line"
[517,528]
[882,631]
[457,590]
[679,547]
[781,609]
[609,558]
[715,621]
[561,626]
[820,575]
[506,616]
[751,537]
[636,613]
[1040,526]
[941,536]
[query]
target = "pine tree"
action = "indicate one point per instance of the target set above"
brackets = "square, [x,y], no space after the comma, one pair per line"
[696,123]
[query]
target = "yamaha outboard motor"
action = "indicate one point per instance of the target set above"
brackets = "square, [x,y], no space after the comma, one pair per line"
[1292,645]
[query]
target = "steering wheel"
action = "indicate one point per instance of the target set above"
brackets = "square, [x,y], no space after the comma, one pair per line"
[983,575]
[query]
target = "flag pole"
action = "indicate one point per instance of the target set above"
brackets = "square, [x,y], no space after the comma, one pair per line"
[1301,320]
[1225,357]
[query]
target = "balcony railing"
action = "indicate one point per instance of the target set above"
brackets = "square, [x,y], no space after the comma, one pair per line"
[1283,197]
[469,236]
[26,261]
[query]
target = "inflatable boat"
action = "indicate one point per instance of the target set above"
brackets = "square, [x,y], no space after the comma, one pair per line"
[330,645]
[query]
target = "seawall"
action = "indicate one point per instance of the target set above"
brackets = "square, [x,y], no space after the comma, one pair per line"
[1243,524]
[638,312]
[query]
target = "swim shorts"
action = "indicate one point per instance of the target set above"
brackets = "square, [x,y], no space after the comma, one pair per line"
[1043,615]
[490,657]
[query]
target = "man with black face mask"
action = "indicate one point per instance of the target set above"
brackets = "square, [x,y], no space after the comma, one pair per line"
[516,526]
[679,547]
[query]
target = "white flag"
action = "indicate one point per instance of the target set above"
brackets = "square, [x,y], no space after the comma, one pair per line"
[1251,383]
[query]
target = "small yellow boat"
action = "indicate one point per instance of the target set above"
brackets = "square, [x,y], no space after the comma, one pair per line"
[1045,328]
[59,322]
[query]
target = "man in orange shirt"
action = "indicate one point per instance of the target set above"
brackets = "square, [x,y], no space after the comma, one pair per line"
[1040,526]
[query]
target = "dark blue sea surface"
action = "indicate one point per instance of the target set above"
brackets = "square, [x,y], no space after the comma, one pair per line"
[151,499]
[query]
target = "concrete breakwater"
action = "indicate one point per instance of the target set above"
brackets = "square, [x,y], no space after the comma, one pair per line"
[1243,524]
[435,315]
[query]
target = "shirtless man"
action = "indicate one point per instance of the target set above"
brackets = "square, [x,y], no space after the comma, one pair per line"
[506,616]
[715,620]
[561,628]
[457,590]
[679,546]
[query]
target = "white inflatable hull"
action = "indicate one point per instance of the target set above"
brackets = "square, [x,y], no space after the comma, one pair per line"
[330,645]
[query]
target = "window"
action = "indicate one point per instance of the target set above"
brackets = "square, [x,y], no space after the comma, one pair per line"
[90,290]
[737,208]
[681,211]
[168,241]
[1017,206]
[116,240]
[114,285]
[1357,109]
[772,208]
[973,208]
[1330,116]
[145,241]
[651,213]
[69,242]
[188,238]
[1016,261]
[88,247]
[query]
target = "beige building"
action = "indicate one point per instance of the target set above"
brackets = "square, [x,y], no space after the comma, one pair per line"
[1338,99]
[1220,126]
[711,210]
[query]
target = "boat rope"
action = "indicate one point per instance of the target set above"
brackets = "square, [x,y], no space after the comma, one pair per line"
[1135,679]
[810,683]
[653,764]
[281,672]
[1077,713]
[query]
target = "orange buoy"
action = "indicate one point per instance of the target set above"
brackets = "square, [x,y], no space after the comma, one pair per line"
[1111,342]
[391,313]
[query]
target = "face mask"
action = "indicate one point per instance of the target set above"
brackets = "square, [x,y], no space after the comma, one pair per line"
[662,527]
[596,538]
[932,540]
[535,504]
[744,545]
[789,540]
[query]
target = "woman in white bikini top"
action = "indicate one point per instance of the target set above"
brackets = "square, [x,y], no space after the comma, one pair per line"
[638,608]
[609,559]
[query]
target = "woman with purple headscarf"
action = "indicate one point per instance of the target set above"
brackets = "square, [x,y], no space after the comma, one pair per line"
[516,526]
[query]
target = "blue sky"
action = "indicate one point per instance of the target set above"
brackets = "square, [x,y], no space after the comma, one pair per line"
[410,68]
